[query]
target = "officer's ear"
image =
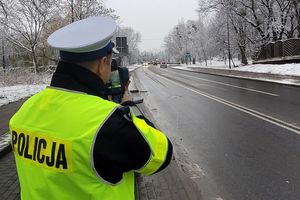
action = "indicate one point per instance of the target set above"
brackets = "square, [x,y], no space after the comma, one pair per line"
[104,68]
[101,65]
[108,59]
[104,59]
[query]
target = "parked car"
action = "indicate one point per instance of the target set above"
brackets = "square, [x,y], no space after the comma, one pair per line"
[163,65]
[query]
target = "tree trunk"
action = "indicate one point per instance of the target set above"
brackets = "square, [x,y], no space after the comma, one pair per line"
[297,15]
[243,55]
[204,55]
[34,60]
[298,28]
[3,55]
[199,56]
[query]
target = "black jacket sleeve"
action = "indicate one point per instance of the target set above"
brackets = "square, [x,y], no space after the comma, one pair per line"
[119,148]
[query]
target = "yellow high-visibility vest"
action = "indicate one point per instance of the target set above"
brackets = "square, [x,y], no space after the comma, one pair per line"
[53,136]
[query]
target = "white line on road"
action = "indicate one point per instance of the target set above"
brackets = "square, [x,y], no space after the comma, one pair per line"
[258,91]
[249,111]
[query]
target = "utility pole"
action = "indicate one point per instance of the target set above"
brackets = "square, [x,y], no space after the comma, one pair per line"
[228,43]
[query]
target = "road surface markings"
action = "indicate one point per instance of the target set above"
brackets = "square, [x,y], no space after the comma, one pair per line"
[234,86]
[155,80]
[244,109]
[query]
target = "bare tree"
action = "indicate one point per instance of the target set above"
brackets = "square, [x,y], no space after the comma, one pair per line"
[172,47]
[2,50]
[81,9]
[176,42]
[28,23]
[226,21]
[24,21]
[295,25]
[188,40]
[265,20]
[273,19]
[240,29]
[200,40]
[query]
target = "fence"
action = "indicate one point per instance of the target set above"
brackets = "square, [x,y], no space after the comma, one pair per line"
[280,50]
[26,75]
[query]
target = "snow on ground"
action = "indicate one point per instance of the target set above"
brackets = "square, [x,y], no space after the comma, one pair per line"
[13,93]
[216,64]
[292,69]
[133,67]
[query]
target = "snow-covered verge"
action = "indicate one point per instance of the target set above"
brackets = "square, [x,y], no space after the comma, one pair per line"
[292,69]
[216,63]
[25,75]
[133,67]
[13,93]
[18,83]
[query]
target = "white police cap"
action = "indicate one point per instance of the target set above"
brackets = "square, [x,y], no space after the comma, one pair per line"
[84,40]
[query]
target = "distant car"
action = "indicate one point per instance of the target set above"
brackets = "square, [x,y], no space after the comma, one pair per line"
[145,65]
[163,65]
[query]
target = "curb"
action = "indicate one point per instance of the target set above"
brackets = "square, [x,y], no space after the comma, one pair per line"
[7,149]
[133,69]
[243,77]
[5,145]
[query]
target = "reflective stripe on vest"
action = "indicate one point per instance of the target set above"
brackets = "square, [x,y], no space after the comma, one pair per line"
[158,144]
[52,136]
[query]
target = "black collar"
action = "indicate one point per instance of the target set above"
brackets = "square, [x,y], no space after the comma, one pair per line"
[74,77]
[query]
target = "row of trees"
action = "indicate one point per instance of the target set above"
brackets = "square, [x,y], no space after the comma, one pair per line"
[185,39]
[26,24]
[235,26]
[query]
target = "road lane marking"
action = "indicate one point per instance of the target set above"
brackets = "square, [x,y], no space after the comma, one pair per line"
[244,109]
[252,90]
[155,80]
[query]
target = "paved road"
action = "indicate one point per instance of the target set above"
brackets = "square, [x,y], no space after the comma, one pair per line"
[7,112]
[242,138]
[9,184]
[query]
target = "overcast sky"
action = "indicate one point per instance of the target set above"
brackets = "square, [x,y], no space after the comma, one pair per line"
[153,19]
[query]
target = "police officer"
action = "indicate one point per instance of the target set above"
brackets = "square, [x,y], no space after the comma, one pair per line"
[69,141]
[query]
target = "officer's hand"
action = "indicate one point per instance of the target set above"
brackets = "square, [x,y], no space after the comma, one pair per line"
[126,96]
[127,85]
